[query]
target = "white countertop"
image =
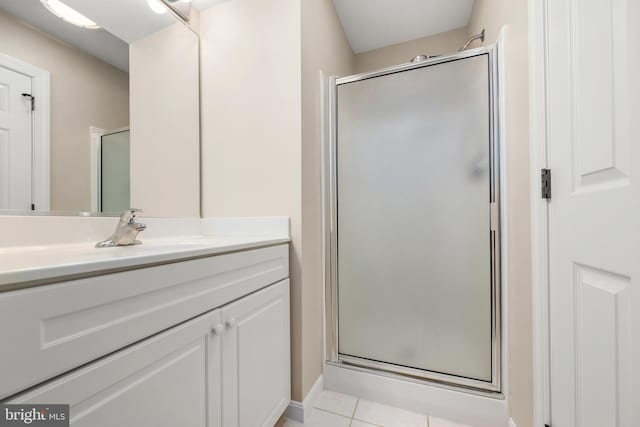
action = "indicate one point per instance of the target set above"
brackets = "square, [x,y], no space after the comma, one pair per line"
[41,250]
[26,266]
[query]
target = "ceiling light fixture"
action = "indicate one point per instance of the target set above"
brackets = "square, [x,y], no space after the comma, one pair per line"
[68,14]
[157,6]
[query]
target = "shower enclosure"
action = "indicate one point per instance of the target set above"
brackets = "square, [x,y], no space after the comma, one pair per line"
[412,221]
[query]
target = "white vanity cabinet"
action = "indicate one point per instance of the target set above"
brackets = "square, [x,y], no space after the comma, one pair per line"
[226,366]
[255,358]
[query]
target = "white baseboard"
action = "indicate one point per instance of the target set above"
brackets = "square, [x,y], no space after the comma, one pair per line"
[295,411]
[464,408]
[299,411]
[512,423]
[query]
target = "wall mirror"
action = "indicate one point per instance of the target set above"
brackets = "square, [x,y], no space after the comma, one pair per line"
[99,107]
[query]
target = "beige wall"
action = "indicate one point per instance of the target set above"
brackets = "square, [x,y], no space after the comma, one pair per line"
[261,74]
[437,44]
[492,15]
[251,124]
[165,133]
[85,91]
[325,52]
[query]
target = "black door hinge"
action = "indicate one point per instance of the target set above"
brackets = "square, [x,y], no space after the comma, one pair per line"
[545,181]
[33,206]
[33,100]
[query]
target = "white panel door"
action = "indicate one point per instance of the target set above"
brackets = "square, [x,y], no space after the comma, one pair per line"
[172,379]
[594,214]
[255,358]
[15,141]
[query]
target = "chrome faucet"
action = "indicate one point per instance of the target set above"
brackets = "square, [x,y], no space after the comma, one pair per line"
[126,231]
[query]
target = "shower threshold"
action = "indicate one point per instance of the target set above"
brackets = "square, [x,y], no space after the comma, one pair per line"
[431,378]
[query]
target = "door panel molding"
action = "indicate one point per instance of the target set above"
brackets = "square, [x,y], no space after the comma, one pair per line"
[599,165]
[602,343]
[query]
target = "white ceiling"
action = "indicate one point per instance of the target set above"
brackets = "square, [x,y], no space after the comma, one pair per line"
[371,24]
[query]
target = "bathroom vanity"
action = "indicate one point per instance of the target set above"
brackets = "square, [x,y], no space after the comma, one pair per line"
[194,333]
[189,328]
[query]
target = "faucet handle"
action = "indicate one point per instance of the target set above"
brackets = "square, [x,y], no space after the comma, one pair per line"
[127,216]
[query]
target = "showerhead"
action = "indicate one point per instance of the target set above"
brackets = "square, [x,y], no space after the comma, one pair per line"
[479,36]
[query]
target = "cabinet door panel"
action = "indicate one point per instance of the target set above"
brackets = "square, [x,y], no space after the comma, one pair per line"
[172,379]
[255,358]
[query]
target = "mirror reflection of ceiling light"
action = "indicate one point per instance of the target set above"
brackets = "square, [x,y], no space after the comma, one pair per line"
[157,6]
[68,14]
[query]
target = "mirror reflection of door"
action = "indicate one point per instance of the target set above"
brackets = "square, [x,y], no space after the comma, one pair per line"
[15,140]
[115,178]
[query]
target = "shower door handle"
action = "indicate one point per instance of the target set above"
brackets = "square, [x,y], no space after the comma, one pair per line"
[494,216]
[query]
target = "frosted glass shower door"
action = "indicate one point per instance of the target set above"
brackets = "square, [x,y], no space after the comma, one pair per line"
[414,260]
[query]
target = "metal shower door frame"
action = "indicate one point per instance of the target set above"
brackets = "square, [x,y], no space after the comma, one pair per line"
[330,236]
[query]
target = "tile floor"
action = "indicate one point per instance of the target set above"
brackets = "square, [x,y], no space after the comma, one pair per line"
[338,410]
